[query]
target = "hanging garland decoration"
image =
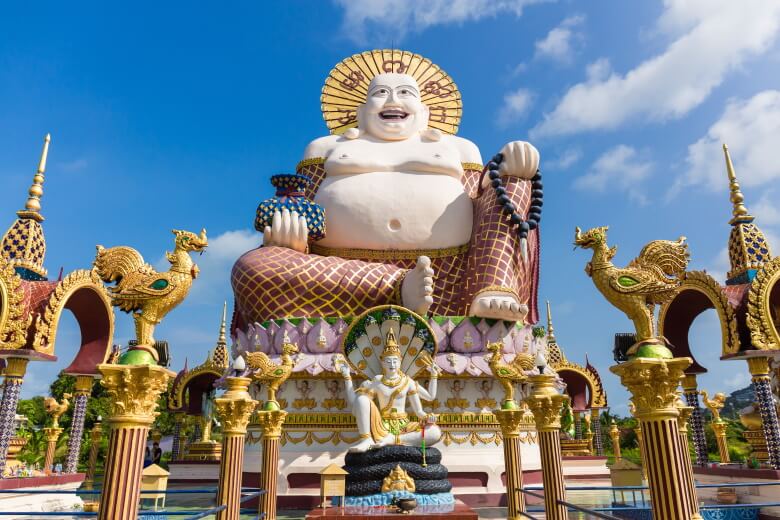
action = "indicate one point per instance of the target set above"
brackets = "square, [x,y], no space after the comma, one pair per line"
[524,225]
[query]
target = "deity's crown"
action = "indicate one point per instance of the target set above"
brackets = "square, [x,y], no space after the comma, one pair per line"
[391,346]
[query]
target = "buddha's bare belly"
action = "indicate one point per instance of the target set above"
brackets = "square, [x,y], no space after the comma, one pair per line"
[395,210]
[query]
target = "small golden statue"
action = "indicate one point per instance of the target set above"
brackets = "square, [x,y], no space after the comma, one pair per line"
[509,374]
[714,405]
[398,480]
[266,371]
[56,409]
[149,295]
[650,279]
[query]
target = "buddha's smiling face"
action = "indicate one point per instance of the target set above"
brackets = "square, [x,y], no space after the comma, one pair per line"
[391,364]
[393,110]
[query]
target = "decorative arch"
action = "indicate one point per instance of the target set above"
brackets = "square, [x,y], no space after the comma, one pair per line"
[697,293]
[82,293]
[13,325]
[578,379]
[763,308]
[198,381]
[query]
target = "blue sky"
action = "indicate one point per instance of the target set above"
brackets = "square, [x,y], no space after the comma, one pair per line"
[174,115]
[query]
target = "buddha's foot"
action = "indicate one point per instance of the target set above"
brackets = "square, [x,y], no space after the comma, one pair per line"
[362,446]
[417,288]
[499,306]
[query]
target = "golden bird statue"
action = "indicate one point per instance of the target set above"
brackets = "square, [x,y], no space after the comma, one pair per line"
[269,373]
[56,409]
[650,279]
[509,373]
[140,289]
[715,404]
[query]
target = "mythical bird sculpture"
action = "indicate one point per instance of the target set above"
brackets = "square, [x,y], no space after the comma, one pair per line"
[508,374]
[139,289]
[56,409]
[650,279]
[272,375]
[715,404]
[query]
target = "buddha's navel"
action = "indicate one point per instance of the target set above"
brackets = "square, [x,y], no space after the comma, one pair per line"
[394,225]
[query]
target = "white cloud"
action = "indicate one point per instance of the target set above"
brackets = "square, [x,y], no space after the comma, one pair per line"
[392,19]
[75,165]
[720,265]
[516,106]
[558,44]
[620,167]
[750,128]
[740,379]
[710,38]
[766,210]
[564,160]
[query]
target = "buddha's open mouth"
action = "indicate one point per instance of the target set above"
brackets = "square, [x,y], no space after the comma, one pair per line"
[393,115]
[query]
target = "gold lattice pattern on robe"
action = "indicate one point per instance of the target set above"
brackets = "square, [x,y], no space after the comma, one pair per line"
[346,87]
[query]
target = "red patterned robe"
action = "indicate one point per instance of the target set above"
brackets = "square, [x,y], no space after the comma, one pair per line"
[276,282]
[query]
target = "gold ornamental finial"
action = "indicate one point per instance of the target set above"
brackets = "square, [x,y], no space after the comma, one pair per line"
[32,207]
[222,338]
[739,210]
[219,356]
[391,346]
[550,330]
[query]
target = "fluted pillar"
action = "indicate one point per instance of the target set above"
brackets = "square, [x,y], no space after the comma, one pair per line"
[178,419]
[614,435]
[510,421]
[595,422]
[82,393]
[653,385]
[691,393]
[545,402]
[759,370]
[685,455]
[234,408]
[270,422]
[134,391]
[14,371]
[51,435]
[94,447]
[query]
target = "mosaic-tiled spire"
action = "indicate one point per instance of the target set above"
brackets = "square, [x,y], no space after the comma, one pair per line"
[220,356]
[554,353]
[23,245]
[748,247]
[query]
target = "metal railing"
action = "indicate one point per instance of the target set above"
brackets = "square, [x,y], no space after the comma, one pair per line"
[248,494]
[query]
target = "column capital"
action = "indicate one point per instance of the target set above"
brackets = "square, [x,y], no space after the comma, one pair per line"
[134,390]
[719,427]
[84,385]
[97,432]
[15,367]
[510,421]
[689,383]
[271,422]
[685,414]
[758,366]
[236,406]
[52,434]
[545,402]
[653,384]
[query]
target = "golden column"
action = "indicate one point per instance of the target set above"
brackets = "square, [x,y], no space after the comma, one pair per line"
[94,447]
[685,455]
[614,434]
[134,391]
[510,421]
[270,422]
[720,427]
[52,434]
[640,442]
[234,408]
[653,385]
[759,370]
[545,402]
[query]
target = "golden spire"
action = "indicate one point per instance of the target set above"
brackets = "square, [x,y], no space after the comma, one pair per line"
[32,207]
[391,345]
[220,355]
[739,210]
[550,330]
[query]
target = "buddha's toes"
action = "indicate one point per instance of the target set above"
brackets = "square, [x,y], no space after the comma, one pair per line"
[417,288]
[498,305]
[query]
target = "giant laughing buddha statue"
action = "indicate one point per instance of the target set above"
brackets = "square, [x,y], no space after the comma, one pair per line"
[393,208]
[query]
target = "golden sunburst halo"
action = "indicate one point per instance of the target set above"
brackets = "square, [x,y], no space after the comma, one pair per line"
[346,88]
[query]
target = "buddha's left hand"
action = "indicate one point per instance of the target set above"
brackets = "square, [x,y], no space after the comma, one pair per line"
[521,159]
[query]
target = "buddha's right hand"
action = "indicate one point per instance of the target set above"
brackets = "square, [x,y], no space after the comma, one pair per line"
[287,230]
